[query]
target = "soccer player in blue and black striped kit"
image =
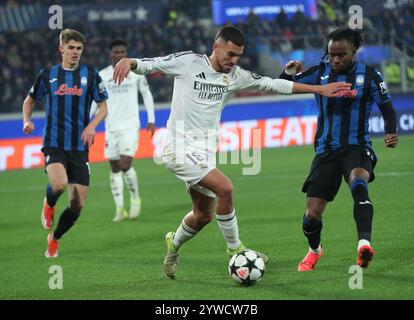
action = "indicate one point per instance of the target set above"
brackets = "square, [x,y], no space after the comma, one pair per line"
[342,142]
[69,89]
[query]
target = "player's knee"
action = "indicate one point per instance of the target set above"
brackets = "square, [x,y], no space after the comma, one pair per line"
[115,166]
[125,167]
[59,187]
[315,212]
[225,191]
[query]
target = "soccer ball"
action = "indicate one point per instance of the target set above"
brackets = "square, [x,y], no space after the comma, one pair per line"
[246,268]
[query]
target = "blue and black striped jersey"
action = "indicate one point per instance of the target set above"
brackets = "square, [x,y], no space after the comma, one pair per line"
[343,120]
[69,95]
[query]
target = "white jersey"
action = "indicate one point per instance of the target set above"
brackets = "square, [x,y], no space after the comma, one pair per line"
[200,92]
[123,109]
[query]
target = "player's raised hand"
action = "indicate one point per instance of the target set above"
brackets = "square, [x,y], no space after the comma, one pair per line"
[28,127]
[88,135]
[331,90]
[293,67]
[151,128]
[121,71]
[391,140]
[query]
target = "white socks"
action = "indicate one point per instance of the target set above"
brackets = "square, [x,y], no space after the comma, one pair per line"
[117,188]
[131,181]
[228,226]
[363,242]
[183,233]
[318,250]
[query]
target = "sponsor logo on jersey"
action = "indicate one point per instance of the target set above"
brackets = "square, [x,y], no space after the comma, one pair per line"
[347,93]
[65,90]
[210,91]
[201,76]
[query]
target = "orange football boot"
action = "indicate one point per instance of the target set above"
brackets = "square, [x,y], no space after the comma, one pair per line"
[52,247]
[308,263]
[47,215]
[365,255]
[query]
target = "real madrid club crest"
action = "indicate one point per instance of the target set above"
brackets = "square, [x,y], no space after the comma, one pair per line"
[360,80]
[226,80]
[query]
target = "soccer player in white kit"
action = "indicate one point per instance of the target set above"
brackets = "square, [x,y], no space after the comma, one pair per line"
[122,130]
[202,87]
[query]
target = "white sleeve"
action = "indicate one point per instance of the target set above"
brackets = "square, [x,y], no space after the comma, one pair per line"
[147,97]
[252,81]
[176,63]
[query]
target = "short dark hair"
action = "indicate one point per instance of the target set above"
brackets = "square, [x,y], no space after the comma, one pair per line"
[117,42]
[350,35]
[231,33]
[69,34]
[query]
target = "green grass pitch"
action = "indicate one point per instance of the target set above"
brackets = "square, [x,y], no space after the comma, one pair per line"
[104,260]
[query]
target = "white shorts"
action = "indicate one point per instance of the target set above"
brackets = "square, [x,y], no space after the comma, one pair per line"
[190,165]
[123,142]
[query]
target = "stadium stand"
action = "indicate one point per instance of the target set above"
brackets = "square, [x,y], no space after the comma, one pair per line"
[186,25]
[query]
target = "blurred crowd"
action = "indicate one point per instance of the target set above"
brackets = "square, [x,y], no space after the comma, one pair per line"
[186,26]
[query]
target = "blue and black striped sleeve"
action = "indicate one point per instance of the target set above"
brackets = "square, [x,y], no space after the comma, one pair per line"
[38,90]
[382,98]
[379,91]
[309,76]
[99,92]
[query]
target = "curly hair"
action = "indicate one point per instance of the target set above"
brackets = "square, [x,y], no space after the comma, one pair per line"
[350,35]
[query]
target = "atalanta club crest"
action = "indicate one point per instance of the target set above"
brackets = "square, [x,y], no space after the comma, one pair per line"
[360,80]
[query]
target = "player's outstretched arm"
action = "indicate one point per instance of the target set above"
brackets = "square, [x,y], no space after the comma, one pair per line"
[174,64]
[329,90]
[28,125]
[122,69]
[88,133]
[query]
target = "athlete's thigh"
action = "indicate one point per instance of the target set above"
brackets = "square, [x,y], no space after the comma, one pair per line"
[56,174]
[78,168]
[55,166]
[215,180]
[324,178]
[128,142]
[125,161]
[189,165]
[111,145]
[361,158]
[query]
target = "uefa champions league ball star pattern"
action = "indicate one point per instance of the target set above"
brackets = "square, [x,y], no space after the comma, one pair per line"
[246,268]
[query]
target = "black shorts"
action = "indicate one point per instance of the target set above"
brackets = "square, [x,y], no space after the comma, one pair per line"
[327,170]
[75,162]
